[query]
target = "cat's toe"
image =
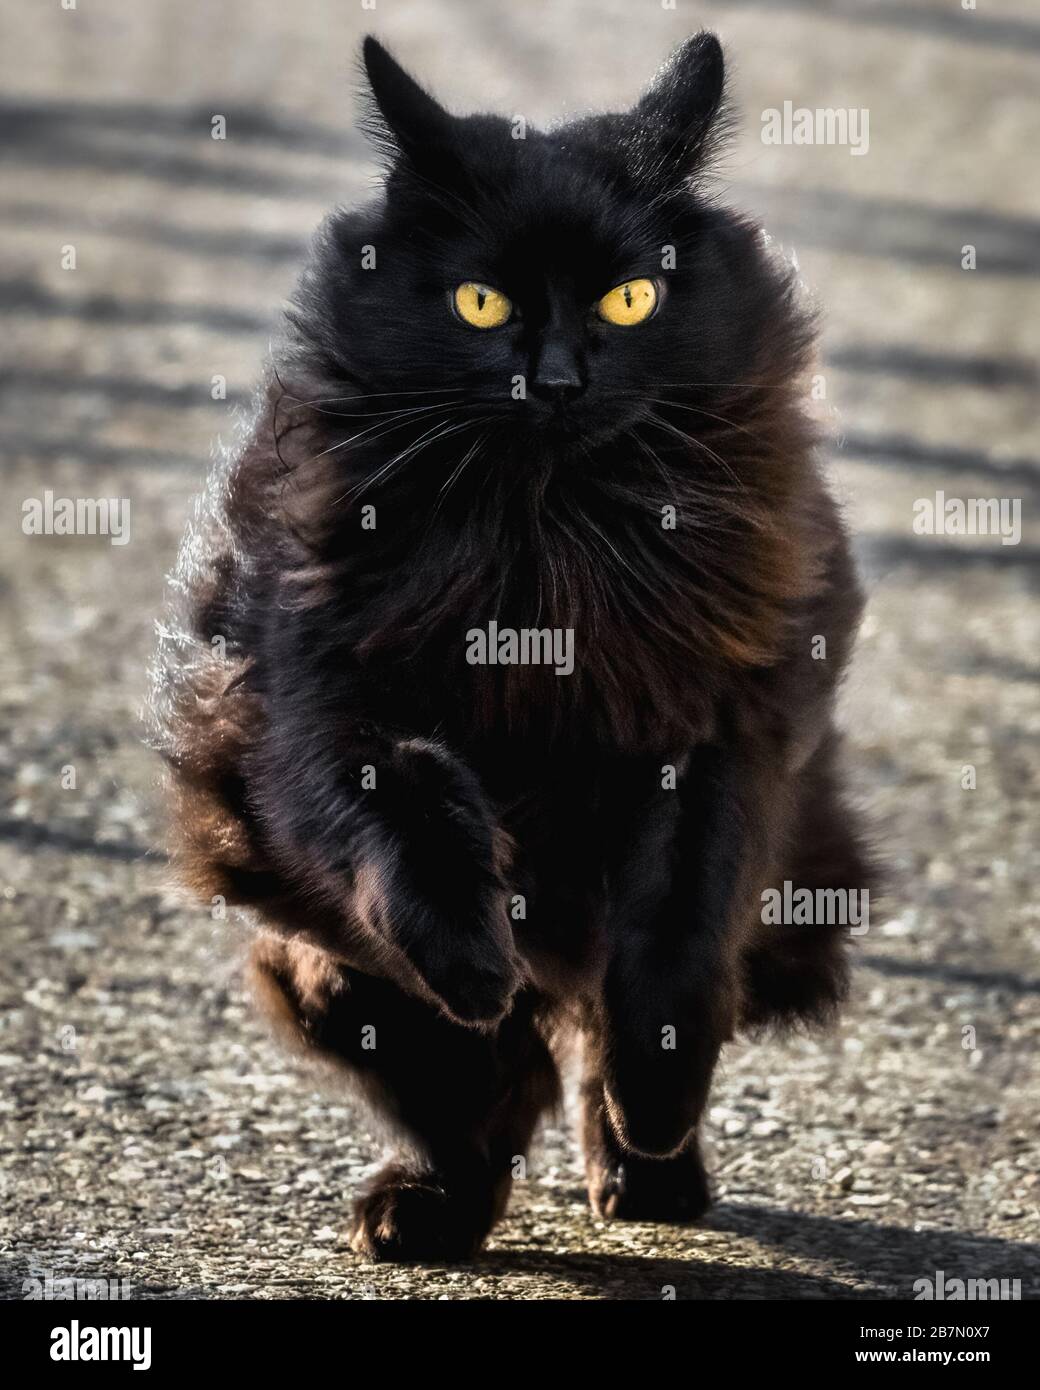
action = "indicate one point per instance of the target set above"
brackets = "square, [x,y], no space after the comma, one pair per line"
[606,1184]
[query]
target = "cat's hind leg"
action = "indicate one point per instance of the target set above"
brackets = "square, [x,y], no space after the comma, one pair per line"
[463,1101]
[798,973]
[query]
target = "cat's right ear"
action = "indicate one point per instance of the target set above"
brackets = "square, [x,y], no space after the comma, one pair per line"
[683,111]
[409,119]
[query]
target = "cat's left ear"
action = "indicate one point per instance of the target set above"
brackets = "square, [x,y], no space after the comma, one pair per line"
[411,118]
[681,108]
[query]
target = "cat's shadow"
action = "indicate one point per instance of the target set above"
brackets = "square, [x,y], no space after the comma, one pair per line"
[867,1261]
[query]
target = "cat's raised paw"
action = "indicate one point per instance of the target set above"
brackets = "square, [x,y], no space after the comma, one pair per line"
[473,976]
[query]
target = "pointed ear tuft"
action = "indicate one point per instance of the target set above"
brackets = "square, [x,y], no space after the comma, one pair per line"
[684,105]
[407,114]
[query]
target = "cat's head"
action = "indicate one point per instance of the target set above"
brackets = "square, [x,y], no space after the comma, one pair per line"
[556,288]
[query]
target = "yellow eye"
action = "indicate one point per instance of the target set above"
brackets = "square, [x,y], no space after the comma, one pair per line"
[629,303]
[482,306]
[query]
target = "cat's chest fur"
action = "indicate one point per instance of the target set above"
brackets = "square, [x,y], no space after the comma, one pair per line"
[579,625]
[579,599]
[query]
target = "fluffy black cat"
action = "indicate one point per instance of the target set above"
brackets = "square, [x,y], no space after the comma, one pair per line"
[493,676]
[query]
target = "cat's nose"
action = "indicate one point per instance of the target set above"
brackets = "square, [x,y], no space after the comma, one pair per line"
[559,376]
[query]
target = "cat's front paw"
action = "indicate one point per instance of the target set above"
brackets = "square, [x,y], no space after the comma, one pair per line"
[630,1187]
[424,1216]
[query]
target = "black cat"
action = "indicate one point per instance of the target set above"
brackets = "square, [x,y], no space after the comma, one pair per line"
[497,685]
